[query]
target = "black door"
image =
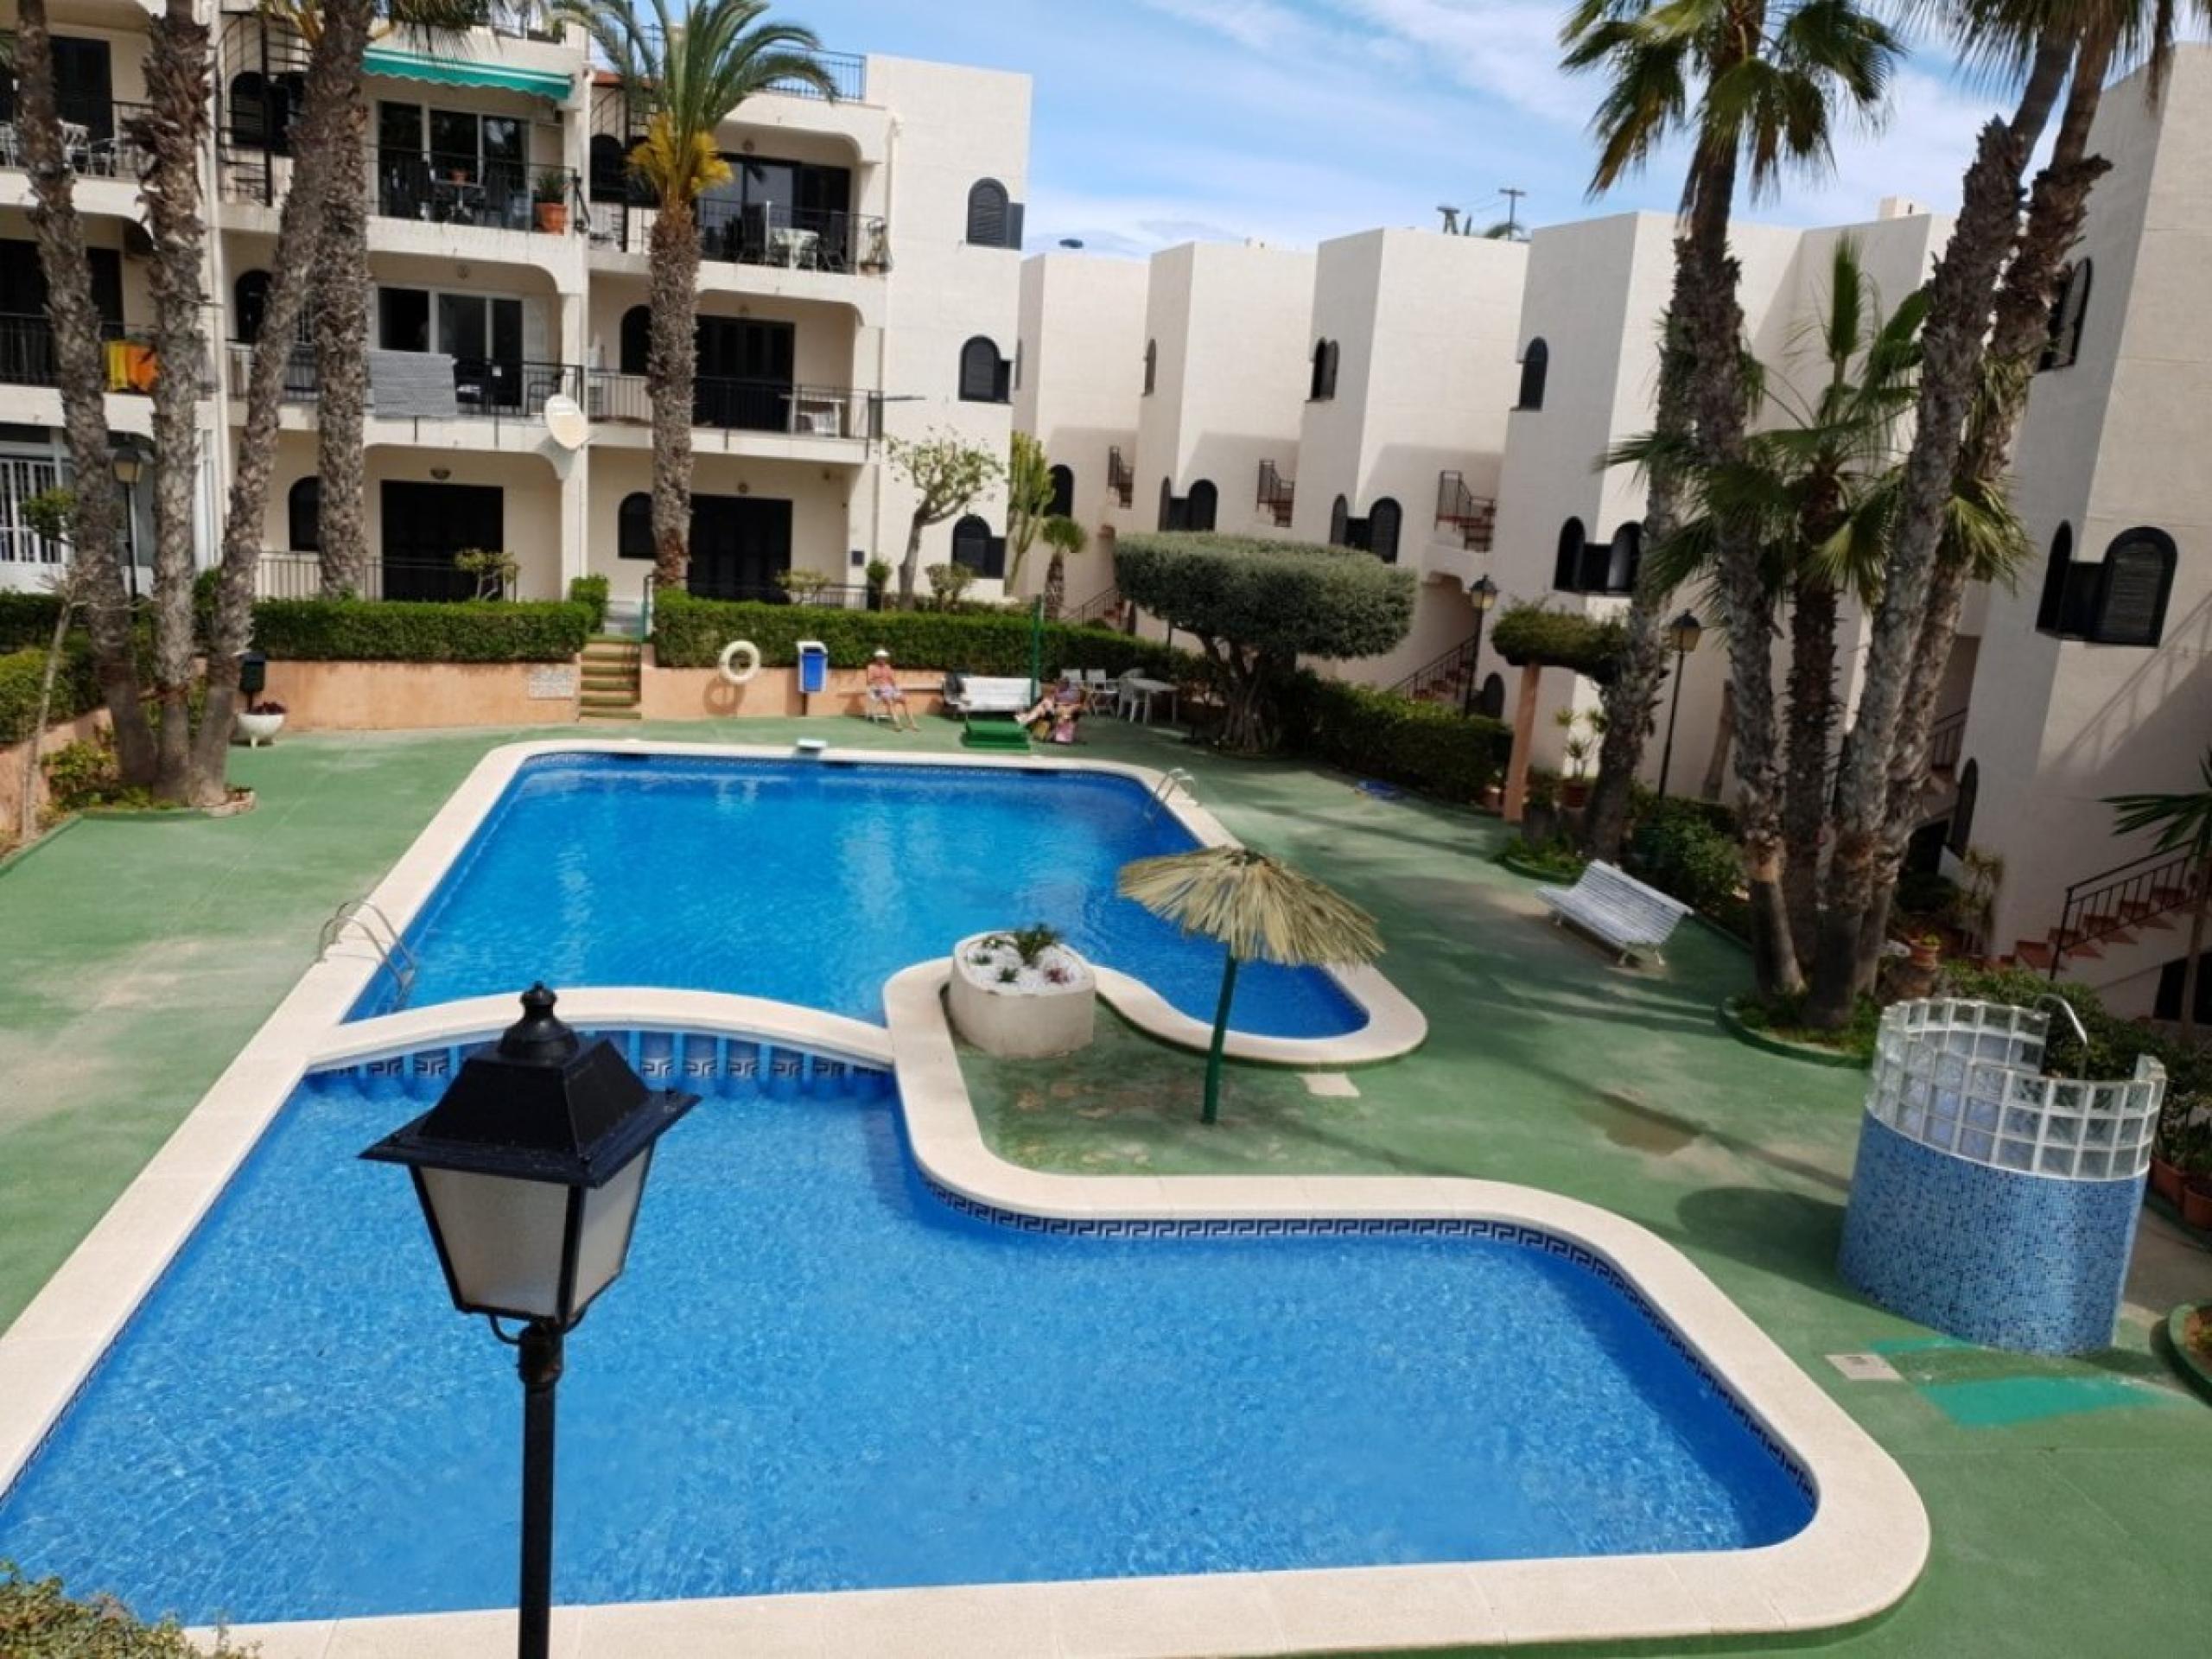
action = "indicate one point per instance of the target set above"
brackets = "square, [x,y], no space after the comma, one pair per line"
[739,543]
[82,91]
[26,337]
[403,175]
[425,525]
[744,374]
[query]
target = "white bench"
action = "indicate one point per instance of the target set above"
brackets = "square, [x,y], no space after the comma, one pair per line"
[1634,919]
[979,696]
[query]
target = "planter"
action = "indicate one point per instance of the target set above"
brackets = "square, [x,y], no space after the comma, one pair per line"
[2185,1327]
[1042,1010]
[2166,1180]
[254,730]
[1575,794]
[553,217]
[1928,957]
[2197,1205]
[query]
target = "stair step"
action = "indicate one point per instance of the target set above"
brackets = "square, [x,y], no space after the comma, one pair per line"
[2169,897]
[589,713]
[2035,953]
[605,700]
[609,679]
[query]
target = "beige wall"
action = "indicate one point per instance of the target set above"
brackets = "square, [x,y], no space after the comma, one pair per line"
[391,696]
[59,735]
[822,500]
[703,694]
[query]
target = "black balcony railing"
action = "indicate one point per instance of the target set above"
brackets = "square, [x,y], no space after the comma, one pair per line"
[299,575]
[762,234]
[497,195]
[95,137]
[847,73]
[748,406]
[27,356]
[838,596]
[483,387]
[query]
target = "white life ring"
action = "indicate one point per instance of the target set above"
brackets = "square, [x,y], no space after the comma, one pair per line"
[745,649]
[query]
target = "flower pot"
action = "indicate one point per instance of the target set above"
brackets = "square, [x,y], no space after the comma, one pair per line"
[1575,794]
[1047,1009]
[2197,1203]
[553,217]
[2165,1180]
[1927,957]
[256,729]
[1493,797]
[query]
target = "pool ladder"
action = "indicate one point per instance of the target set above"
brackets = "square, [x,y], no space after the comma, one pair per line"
[1176,778]
[394,955]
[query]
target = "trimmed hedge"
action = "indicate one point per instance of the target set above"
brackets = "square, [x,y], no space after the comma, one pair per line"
[26,619]
[1381,734]
[398,631]
[1529,633]
[690,632]
[592,591]
[75,690]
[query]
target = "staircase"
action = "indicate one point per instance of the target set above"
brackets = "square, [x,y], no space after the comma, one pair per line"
[2112,910]
[1278,495]
[612,664]
[1472,517]
[1448,681]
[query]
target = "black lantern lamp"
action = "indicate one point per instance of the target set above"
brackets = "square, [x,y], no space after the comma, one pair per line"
[1482,596]
[530,1170]
[1682,635]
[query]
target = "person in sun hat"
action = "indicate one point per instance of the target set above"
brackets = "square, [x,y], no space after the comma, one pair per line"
[883,691]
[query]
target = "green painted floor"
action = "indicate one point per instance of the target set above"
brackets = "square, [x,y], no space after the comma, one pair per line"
[136,957]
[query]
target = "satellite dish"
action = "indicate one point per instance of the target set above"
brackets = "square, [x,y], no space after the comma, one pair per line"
[565,423]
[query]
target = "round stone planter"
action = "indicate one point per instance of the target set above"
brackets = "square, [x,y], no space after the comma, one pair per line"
[1049,1008]
[255,730]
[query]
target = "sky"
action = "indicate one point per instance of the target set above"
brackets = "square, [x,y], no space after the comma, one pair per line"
[1156,122]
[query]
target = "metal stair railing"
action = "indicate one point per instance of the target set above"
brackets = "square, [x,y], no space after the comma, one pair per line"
[2120,898]
[394,955]
[1174,778]
[1453,666]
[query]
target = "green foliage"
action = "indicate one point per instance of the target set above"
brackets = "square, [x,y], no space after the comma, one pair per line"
[1925,895]
[1029,942]
[1785,1017]
[50,513]
[1277,598]
[590,591]
[75,690]
[879,574]
[805,587]
[690,632]
[1028,500]
[550,185]
[2114,1043]
[81,774]
[38,1621]
[1555,859]
[948,582]
[493,569]
[1530,633]
[1682,855]
[390,631]
[1378,735]
[945,471]
[26,619]
[1063,535]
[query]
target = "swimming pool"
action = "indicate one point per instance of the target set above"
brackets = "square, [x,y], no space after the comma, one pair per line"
[812,882]
[819,1374]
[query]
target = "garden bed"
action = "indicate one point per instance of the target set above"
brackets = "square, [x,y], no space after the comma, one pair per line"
[1852,1047]
[2189,1340]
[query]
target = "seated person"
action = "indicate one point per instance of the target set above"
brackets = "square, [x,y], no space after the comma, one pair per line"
[1057,711]
[883,691]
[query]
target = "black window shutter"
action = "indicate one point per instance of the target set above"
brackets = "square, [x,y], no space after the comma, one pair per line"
[994,558]
[1012,237]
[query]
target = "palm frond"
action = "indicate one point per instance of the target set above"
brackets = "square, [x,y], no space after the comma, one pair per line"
[1258,906]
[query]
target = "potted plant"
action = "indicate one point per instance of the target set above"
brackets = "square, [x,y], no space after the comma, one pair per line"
[878,575]
[259,723]
[1022,994]
[2197,1192]
[2171,1146]
[1540,806]
[550,192]
[1583,729]
[1926,950]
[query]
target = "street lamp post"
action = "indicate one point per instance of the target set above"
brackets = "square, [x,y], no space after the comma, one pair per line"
[1683,634]
[1482,596]
[530,1170]
[129,462]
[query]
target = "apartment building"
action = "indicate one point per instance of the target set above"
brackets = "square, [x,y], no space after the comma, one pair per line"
[860,280]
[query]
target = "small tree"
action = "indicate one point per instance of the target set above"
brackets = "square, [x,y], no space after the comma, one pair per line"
[948,582]
[1257,607]
[1028,503]
[493,570]
[946,474]
[1066,538]
[2185,825]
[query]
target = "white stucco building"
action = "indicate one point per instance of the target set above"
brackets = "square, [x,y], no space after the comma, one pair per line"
[861,279]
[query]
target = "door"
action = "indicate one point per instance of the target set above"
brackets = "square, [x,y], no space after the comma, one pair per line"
[483,335]
[425,525]
[82,91]
[745,373]
[27,356]
[739,543]
[402,319]
[403,176]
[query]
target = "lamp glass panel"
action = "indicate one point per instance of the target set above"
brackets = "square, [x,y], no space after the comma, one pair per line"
[609,1212]
[502,1239]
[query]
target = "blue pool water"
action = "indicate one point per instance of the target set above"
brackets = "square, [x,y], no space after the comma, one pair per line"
[813,883]
[817,1374]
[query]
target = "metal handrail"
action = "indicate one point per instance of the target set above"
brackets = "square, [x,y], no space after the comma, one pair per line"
[1120,477]
[394,955]
[1439,670]
[2107,903]
[1100,604]
[1174,778]
[1277,493]
[1475,517]
[1945,740]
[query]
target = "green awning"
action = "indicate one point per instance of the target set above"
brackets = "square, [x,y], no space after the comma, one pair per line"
[465,71]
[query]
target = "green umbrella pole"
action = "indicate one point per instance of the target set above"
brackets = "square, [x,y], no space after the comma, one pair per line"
[1220,1038]
[1037,648]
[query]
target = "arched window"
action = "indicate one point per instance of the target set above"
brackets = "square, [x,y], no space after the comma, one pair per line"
[2139,578]
[1490,702]
[1622,555]
[633,526]
[1062,502]
[1383,521]
[610,168]
[2065,345]
[304,514]
[637,339]
[1339,521]
[1962,831]
[987,214]
[1324,380]
[982,372]
[1200,505]
[2050,608]
[261,112]
[1535,363]
[1567,567]
[971,546]
[1151,366]
[249,296]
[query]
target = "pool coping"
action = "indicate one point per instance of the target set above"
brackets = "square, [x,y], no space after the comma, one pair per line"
[1862,1551]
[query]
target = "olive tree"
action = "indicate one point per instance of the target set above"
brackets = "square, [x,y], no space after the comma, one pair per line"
[946,474]
[1256,607]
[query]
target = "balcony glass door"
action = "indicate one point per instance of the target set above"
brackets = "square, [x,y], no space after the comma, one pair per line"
[483,335]
[745,373]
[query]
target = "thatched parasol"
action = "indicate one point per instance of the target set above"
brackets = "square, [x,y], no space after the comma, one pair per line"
[1261,909]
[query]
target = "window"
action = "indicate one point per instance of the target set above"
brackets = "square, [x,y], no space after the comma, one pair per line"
[2050,610]
[261,110]
[1151,365]
[304,514]
[1062,502]
[1340,522]
[975,546]
[2065,345]
[1622,555]
[1383,521]
[2121,601]
[1535,363]
[1324,383]
[1490,702]
[993,221]
[637,339]
[1017,364]
[1566,565]
[1960,835]
[21,478]
[250,296]
[982,372]
[1200,505]
[633,526]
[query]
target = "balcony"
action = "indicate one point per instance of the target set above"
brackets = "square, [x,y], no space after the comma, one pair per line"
[299,575]
[29,357]
[489,195]
[842,413]
[760,233]
[94,138]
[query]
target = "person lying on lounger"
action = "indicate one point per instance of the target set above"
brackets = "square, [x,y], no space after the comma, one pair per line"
[1057,711]
[883,691]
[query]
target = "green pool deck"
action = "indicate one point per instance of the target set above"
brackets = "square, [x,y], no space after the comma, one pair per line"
[136,957]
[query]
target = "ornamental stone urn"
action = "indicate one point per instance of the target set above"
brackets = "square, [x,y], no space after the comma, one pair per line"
[1022,995]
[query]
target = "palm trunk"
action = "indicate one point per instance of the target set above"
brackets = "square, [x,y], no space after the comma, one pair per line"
[1724,739]
[342,353]
[96,519]
[334,67]
[671,370]
[173,132]
[1812,728]
[1056,585]
[1641,666]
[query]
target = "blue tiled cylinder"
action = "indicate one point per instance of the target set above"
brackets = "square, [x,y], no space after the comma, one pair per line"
[1989,1255]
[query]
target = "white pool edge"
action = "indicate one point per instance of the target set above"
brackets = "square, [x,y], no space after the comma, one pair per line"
[1864,1549]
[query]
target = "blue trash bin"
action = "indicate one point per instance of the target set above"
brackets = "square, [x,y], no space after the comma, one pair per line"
[813,667]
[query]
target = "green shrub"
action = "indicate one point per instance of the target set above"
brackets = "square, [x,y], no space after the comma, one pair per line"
[1926,894]
[386,631]
[75,690]
[1530,633]
[38,1621]
[81,774]
[2114,1043]
[1380,735]
[26,619]
[590,591]
[1680,853]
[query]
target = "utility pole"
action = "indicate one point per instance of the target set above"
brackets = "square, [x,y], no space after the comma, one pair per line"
[1512,210]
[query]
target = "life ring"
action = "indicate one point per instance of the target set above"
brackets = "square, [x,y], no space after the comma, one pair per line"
[746,649]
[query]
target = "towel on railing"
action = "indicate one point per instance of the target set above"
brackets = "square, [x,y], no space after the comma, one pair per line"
[411,385]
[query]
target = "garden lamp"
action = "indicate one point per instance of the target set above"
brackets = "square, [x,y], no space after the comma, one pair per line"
[530,1169]
[1683,634]
[1482,596]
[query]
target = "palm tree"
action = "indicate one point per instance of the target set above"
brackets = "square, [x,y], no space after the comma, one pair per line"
[689,71]
[1755,84]
[1028,503]
[2185,825]
[1261,909]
